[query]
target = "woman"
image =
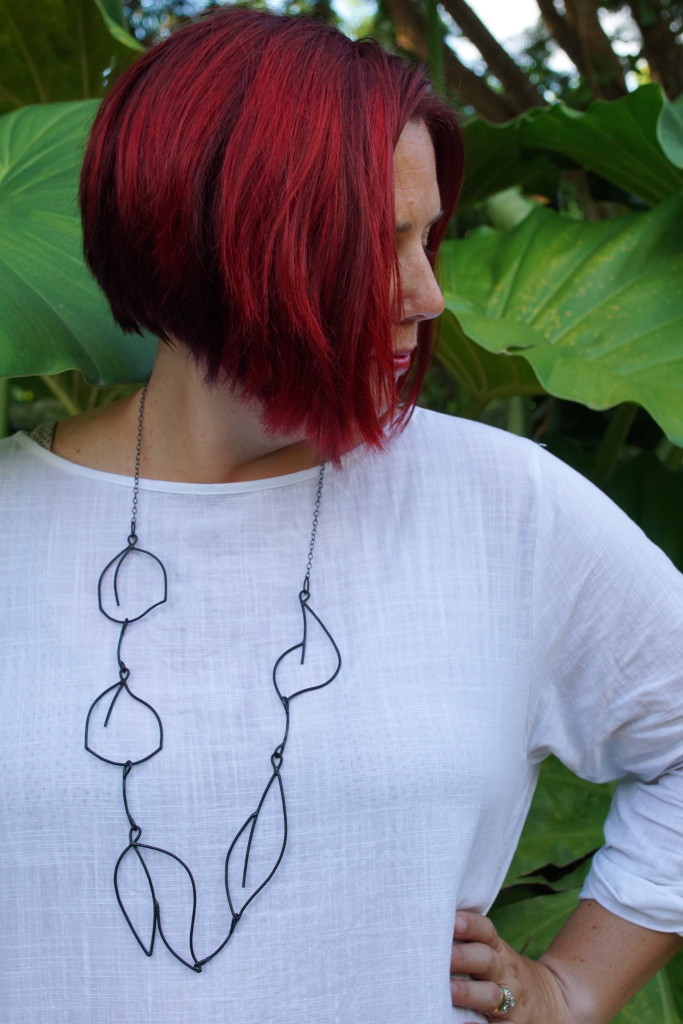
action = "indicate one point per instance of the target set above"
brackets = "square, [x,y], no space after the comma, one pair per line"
[297,816]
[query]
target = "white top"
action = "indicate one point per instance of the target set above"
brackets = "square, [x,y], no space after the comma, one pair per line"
[490,607]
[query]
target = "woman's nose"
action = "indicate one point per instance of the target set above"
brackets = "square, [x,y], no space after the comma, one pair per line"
[422,298]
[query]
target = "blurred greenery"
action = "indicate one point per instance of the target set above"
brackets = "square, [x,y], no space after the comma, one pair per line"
[53,50]
[54,316]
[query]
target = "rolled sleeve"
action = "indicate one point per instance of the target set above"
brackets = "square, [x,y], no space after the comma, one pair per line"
[608,699]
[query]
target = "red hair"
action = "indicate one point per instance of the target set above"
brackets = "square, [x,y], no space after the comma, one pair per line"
[237,196]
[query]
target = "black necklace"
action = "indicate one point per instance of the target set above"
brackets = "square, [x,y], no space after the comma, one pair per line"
[101,709]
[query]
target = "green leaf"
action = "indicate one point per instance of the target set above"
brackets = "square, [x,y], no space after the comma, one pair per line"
[635,142]
[617,140]
[564,822]
[670,131]
[54,50]
[484,375]
[654,1004]
[674,973]
[595,308]
[115,20]
[508,208]
[531,925]
[53,316]
[573,878]
[496,159]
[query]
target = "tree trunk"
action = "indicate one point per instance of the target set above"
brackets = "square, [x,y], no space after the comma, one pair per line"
[559,28]
[660,49]
[410,27]
[519,87]
[473,91]
[601,66]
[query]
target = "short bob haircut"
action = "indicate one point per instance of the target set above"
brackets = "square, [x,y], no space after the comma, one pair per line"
[237,197]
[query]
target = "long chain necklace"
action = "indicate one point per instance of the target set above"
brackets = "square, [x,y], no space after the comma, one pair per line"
[102,708]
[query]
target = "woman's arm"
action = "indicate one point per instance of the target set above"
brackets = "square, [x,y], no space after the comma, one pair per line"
[595,964]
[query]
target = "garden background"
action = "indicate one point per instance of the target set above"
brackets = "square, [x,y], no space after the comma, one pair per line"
[562,274]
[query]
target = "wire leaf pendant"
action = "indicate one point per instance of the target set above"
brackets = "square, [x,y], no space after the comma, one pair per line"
[123,729]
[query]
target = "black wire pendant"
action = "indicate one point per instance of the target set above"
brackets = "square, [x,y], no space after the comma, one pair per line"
[149,732]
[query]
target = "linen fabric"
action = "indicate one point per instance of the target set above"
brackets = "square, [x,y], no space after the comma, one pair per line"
[491,608]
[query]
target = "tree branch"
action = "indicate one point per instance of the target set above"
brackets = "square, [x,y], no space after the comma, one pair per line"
[517,84]
[660,48]
[410,27]
[601,65]
[474,91]
[561,31]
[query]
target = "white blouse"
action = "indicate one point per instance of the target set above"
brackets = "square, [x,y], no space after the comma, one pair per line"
[490,606]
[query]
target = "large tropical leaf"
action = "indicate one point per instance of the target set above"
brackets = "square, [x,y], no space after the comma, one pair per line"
[53,50]
[670,131]
[564,822]
[52,316]
[483,375]
[654,1004]
[635,142]
[531,925]
[617,140]
[496,158]
[593,307]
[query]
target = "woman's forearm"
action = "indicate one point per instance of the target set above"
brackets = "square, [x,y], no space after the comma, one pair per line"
[601,961]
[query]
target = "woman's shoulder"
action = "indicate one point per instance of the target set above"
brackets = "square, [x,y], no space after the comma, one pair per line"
[493,467]
[19,451]
[30,468]
[24,465]
[453,445]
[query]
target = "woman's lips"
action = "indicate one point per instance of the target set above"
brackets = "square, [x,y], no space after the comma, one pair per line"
[402,361]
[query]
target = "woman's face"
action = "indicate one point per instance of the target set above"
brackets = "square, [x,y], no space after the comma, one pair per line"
[418,207]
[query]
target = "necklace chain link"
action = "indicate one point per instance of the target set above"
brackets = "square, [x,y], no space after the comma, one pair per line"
[138,452]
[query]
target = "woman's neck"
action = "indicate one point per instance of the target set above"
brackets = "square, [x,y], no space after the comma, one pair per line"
[192,432]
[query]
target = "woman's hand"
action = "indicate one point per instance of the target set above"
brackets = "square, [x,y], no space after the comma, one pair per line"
[594,965]
[479,952]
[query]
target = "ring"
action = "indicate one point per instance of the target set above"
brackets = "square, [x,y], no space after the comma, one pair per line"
[507,1000]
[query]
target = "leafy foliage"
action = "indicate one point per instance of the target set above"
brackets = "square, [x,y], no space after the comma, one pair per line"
[564,823]
[115,20]
[636,143]
[670,131]
[65,50]
[587,305]
[53,315]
